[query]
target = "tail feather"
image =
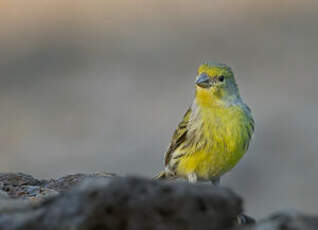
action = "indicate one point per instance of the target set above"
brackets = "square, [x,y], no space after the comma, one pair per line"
[160,176]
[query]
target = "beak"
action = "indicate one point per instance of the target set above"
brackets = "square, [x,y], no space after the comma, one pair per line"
[203,81]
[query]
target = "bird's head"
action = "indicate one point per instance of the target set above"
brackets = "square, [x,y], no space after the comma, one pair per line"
[215,83]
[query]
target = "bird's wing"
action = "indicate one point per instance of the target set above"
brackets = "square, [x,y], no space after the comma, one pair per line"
[179,136]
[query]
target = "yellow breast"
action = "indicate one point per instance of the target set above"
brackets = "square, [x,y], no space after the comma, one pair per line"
[222,135]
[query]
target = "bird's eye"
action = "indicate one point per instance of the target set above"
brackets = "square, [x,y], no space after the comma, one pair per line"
[221,78]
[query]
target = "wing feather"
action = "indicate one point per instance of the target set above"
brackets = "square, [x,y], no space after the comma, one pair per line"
[179,136]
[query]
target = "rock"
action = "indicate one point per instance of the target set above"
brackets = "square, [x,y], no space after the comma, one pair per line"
[35,193]
[11,183]
[65,183]
[286,220]
[3,195]
[102,201]
[132,204]
[20,185]
[18,179]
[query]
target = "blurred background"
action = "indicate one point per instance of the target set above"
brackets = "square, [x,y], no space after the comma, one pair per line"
[95,85]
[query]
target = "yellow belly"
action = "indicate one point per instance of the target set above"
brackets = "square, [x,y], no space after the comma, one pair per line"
[208,165]
[225,136]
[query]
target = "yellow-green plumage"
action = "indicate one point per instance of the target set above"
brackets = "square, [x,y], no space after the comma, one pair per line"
[215,131]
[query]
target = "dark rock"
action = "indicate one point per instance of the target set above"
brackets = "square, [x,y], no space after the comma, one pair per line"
[18,179]
[8,205]
[34,193]
[11,183]
[287,220]
[20,185]
[103,201]
[130,204]
[65,183]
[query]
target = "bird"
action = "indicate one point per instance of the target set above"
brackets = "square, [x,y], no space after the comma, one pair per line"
[215,131]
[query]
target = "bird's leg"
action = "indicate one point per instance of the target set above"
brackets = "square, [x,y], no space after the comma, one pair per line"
[216,181]
[192,178]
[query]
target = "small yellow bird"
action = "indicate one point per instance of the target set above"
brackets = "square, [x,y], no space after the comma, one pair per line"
[215,131]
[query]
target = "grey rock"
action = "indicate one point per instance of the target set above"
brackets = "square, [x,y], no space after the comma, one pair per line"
[18,179]
[65,183]
[11,183]
[3,195]
[23,186]
[35,192]
[8,205]
[286,220]
[131,204]
[102,201]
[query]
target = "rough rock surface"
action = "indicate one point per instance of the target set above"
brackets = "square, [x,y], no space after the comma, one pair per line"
[20,185]
[129,203]
[287,220]
[67,182]
[101,201]
[13,183]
